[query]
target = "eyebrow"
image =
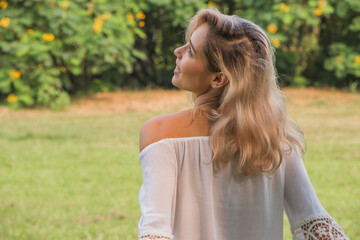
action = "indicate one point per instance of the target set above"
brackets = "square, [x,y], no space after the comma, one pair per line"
[192,46]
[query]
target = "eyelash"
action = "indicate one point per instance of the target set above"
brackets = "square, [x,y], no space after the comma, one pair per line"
[189,51]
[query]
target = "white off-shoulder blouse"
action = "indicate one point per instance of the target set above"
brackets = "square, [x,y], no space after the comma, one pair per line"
[184,198]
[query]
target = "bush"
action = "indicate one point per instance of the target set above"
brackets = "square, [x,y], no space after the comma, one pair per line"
[50,50]
[306,35]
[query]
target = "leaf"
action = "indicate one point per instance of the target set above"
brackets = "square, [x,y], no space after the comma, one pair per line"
[5,86]
[140,33]
[288,18]
[355,25]
[139,54]
[75,61]
[300,81]
[26,99]
[341,9]
[76,71]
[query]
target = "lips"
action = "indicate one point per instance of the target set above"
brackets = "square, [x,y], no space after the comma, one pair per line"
[177,70]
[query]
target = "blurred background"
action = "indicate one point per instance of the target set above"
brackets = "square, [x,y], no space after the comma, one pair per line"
[52,50]
[78,78]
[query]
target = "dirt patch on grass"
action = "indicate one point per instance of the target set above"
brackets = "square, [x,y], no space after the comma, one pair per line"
[112,216]
[173,100]
[139,101]
[319,97]
[114,102]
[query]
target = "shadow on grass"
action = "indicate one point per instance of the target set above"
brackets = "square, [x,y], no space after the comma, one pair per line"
[30,136]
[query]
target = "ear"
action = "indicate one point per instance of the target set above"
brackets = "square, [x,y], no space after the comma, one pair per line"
[219,80]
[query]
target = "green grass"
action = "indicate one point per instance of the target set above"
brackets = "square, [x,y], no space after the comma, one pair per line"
[78,177]
[69,177]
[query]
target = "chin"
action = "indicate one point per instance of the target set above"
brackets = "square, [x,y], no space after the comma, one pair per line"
[174,82]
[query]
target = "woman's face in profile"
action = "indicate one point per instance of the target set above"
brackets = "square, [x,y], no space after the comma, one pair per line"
[191,72]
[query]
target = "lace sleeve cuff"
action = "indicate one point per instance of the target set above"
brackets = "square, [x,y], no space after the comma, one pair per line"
[157,236]
[318,227]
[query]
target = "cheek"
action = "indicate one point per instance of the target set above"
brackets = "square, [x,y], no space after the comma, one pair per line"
[194,77]
[193,67]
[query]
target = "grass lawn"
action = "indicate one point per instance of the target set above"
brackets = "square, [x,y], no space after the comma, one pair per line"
[75,174]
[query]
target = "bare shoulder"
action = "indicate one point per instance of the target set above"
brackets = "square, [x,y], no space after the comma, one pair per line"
[163,126]
[149,132]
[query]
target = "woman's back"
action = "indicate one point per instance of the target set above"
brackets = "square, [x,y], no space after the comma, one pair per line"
[191,200]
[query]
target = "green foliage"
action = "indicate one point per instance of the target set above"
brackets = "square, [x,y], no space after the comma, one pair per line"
[305,35]
[342,61]
[166,21]
[59,48]
[52,49]
[307,39]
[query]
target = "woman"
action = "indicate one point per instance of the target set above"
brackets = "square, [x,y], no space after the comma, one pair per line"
[227,168]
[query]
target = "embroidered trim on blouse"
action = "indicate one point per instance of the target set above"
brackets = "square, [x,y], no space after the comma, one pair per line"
[157,236]
[318,227]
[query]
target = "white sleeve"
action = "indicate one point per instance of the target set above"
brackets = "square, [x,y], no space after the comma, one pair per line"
[157,194]
[308,219]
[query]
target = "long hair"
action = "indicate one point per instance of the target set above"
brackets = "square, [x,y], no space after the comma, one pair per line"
[249,121]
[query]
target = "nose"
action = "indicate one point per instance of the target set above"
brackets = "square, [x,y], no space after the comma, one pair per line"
[177,52]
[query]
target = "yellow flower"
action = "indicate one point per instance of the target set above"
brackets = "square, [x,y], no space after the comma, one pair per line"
[284,7]
[15,74]
[12,98]
[5,21]
[48,37]
[64,5]
[211,4]
[98,22]
[338,58]
[105,16]
[3,4]
[141,24]
[276,42]
[140,15]
[318,12]
[357,59]
[97,28]
[130,16]
[272,28]
[322,3]
[30,31]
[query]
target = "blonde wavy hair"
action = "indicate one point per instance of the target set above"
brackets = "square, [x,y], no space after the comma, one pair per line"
[250,126]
